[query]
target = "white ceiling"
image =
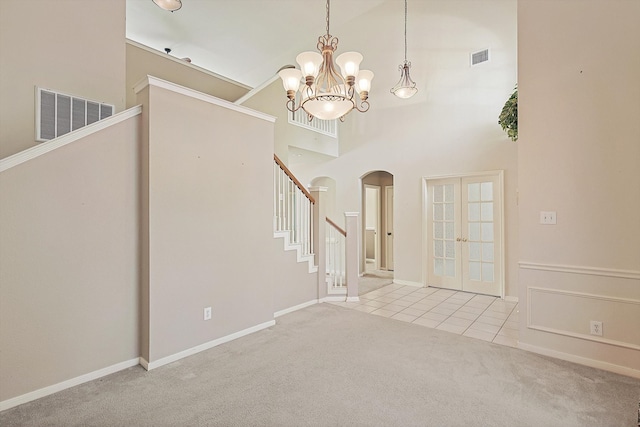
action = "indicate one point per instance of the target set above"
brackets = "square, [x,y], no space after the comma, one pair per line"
[249,40]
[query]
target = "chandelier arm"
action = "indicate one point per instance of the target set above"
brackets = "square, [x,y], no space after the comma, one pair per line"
[291,105]
[363,107]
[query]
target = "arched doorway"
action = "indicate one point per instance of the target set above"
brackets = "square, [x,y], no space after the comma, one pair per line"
[377,224]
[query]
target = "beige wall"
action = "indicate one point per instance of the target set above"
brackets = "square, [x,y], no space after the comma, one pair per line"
[69,258]
[449,127]
[579,149]
[272,100]
[143,61]
[292,283]
[44,43]
[210,198]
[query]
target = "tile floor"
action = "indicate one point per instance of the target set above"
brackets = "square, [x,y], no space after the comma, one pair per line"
[477,316]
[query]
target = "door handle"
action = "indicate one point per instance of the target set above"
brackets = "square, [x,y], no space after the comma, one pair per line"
[458,239]
[464,239]
[388,234]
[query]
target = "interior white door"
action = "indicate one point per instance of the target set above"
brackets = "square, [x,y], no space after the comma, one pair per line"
[481,237]
[464,233]
[389,227]
[443,223]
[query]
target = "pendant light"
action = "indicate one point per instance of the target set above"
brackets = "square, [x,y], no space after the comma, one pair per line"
[405,88]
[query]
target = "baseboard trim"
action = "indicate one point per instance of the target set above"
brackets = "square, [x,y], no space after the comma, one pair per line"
[46,391]
[408,283]
[295,308]
[144,363]
[511,299]
[606,366]
[353,299]
[333,298]
[206,346]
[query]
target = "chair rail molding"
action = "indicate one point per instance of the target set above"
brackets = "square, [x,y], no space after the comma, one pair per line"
[576,269]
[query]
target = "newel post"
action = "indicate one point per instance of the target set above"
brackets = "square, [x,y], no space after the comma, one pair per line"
[351,253]
[319,237]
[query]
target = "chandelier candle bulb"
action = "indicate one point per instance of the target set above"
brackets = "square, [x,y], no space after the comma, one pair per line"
[364,81]
[309,64]
[349,63]
[290,80]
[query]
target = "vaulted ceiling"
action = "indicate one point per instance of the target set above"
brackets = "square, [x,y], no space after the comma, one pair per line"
[249,40]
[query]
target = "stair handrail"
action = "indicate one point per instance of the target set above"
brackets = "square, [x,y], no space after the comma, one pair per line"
[336,262]
[294,179]
[293,208]
[336,226]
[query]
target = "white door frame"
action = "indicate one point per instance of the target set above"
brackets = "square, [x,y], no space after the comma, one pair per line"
[378,233]
[426,232]
[388,247]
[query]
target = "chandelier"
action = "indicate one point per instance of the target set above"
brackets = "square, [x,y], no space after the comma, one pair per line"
[405,88]
[327,94]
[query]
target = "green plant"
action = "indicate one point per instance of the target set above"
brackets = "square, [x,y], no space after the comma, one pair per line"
[508,118]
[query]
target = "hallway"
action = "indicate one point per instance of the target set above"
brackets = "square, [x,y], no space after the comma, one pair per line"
[477,316]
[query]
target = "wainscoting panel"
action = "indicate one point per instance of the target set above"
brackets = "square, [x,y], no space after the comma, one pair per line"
[569,313]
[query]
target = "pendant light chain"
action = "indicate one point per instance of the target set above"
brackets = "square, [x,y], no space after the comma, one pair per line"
[405,30]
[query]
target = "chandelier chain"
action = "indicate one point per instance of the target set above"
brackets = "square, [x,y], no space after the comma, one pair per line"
[328,17]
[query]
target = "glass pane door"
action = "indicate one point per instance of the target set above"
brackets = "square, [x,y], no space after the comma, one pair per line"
[481,241]
[443,224]
[464,233]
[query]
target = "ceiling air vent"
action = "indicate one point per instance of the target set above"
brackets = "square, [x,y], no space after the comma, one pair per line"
[58,114]
[479,57]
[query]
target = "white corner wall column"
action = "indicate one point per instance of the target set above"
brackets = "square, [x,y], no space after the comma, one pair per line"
[319,236]
[352,254]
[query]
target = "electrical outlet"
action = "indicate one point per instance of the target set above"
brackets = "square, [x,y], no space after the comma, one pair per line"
[548,218]
[596,328]
[207,313]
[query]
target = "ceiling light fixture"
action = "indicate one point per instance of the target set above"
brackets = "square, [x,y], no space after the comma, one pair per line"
[327,94]
[170,5]
[405,88]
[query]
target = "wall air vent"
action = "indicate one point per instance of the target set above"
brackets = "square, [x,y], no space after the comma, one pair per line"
[58,113]
[325,127]
[479,57]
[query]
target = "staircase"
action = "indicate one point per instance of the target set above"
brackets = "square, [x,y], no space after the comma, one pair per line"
[300,221]
[293,214]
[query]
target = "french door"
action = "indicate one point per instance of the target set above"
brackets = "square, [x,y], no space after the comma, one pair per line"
[464,237]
